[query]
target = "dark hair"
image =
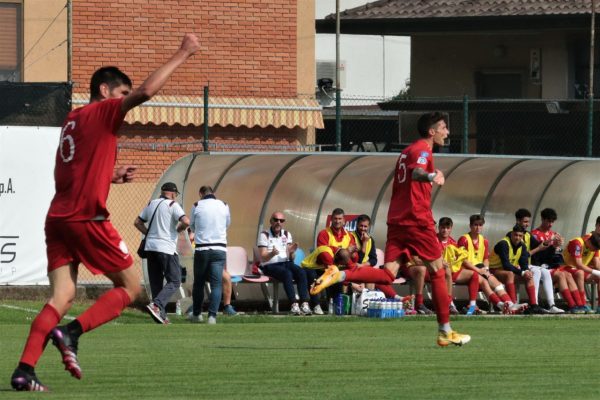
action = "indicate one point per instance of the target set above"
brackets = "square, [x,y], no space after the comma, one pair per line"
[206,190]
[549,213]
[112,76]
[598,221]
[476,218]
[337,211]
[363,217]
[445,221]
[518,228]
[522,213]
[595,240]
[428,121]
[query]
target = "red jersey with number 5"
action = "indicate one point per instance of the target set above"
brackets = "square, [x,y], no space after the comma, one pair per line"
[85,162]
[411,200]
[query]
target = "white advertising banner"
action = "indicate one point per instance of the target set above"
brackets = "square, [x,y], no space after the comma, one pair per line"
[26,189]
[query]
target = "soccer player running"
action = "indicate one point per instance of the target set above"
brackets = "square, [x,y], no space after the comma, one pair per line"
[77,228]
[410,221]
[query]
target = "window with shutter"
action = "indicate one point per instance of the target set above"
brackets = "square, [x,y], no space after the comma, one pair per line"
[10,41]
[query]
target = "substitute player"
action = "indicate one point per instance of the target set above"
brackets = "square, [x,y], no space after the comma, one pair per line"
[77,228]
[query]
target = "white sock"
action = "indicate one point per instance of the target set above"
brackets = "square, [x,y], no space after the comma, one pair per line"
[444,327]
[472,303]
[548,287]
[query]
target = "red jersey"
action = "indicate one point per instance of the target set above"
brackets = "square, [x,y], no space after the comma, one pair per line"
[448,241]
[542,236]
[85,162]
[411,200]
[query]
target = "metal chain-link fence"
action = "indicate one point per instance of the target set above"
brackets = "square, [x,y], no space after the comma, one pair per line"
[503,126]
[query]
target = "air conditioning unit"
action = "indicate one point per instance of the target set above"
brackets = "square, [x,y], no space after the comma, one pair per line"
[326,70]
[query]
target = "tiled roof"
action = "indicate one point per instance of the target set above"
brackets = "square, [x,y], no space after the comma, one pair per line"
[393,9]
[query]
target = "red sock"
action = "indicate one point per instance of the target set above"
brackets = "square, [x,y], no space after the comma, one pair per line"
[474,287]
[583,297]
[506,298]
[388,290]
[512,291]
[418,299]
[531,295]
[439,292]
[106,308]
[41,326]
[494,298]
[568,298]
[577,298]
[369,275]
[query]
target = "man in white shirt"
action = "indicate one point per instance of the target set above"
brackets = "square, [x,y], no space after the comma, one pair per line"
[277,249]
[209,226]
[166,219]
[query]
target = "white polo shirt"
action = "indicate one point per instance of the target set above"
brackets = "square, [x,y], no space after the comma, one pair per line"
[266,239]
[162,236]
[210,219]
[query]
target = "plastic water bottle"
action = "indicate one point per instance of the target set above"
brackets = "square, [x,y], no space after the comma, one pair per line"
[178,307]
[330,311]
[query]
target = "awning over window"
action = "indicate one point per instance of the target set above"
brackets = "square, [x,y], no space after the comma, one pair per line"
[224,111]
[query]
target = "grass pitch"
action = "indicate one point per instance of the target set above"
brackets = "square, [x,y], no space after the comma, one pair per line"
[265,357]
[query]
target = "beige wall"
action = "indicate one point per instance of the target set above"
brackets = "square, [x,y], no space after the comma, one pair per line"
[46,60]
[306,47]
[445,65]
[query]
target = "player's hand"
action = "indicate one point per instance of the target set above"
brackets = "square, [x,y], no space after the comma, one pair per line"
[292,247]
[439,177]
[124,174]
[364,236]
[274,252]
[352,249]
[190,43]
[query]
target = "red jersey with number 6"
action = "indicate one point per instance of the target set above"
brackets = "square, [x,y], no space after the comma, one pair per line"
[411,200]
[85,162]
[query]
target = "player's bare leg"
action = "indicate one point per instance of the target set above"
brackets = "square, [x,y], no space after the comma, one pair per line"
[63,286]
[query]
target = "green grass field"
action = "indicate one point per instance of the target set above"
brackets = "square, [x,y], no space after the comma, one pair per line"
[260,356]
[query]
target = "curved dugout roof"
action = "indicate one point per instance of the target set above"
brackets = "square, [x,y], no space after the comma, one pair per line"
[308,186]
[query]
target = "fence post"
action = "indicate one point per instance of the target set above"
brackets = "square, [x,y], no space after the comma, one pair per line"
[590,132]
[338,120]
[205,142]
[465,141]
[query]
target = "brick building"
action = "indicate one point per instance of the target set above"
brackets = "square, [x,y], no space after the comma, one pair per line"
[257,59]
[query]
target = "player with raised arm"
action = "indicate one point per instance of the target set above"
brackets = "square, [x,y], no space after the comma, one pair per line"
[77,228]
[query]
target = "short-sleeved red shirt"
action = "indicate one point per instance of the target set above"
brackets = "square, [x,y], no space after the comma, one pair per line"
[411,200]
[85,162]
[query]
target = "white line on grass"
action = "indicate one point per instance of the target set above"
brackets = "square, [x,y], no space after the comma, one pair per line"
[30,310]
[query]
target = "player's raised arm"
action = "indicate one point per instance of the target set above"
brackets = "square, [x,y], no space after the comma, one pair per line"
[189,45]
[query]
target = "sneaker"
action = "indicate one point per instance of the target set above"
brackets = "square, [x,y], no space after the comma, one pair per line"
[67,346]
[555,310]
[212,320]
[295,310]
[470,310]
[588,310]
[453,310]
[167,321]
[229,310]
[331,276]
[155,313]
[317,310]
[22,380]
[577,310]
[533,309]
[305,309]
[517,308]
[421,309]
[196,319]
[452,337]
